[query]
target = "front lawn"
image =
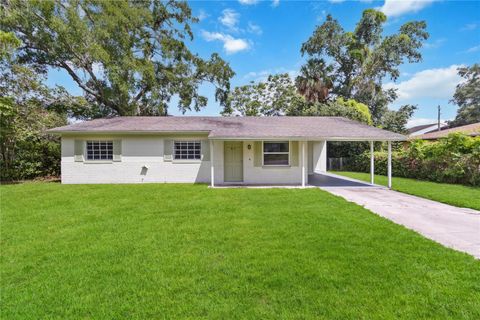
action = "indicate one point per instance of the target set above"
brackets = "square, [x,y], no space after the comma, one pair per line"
[187,251]
[453,194]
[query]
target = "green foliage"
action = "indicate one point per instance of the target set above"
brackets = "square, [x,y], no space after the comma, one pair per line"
[275,96]
[146,252]
[26,151]
[358,111]
[340,107]
[467,96]
[356,63]
[278,96]
[8,42]
[129,57]
[455,159]
[396,121]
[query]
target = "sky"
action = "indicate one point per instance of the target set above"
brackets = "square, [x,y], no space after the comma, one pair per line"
[258,38]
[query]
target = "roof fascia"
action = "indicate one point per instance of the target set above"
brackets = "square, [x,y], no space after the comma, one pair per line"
[311,138]
[130,132]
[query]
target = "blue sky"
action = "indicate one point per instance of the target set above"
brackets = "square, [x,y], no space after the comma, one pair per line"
[259,38]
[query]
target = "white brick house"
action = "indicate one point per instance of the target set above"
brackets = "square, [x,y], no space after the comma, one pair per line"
[215,150]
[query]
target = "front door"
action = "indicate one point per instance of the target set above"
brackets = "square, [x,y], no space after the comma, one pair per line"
[233,161]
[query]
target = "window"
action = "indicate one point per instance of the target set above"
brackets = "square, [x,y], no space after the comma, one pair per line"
[187,150]
[276,153]
[99,150]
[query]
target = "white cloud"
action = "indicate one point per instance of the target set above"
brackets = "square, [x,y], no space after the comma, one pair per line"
[275,3]
[322,16]
[202,15]
[261,76]
[435,44]
[395,8]
[248,2]
[473,49]
[229,18]
[336,1]
[253,28]
[470,27]
[431,83]
[230,44]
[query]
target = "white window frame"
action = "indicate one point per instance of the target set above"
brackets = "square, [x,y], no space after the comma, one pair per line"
[174,155]
[97,160]
[264,153]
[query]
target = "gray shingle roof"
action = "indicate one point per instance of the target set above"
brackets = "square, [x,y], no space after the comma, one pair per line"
[333,128]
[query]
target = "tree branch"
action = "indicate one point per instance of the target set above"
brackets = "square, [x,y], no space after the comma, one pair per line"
[79,81]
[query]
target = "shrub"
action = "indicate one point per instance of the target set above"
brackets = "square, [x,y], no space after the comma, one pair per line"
[454,159]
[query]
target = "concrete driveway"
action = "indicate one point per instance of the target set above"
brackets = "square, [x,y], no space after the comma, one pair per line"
[456,228]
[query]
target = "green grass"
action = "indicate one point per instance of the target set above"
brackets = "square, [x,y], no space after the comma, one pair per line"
[453,194]
[187,251]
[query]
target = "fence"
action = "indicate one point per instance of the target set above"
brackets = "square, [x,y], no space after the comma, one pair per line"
[337,164]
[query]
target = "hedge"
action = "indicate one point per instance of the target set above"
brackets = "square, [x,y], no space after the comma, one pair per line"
[455,159]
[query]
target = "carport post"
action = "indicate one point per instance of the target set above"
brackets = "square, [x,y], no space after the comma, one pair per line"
[304,160]
[389,169]
[372,164]
[212,169]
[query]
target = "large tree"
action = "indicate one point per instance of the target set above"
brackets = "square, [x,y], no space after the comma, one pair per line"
[275,96]
[339,107]
[467,96]
[357,62]
[129,57]
[27,108]
[396,121]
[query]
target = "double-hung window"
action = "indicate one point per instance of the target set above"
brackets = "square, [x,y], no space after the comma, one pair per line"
[276,153]
[99,150]
[187,150]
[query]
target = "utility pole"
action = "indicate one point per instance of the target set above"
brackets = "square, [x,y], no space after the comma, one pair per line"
[439,111]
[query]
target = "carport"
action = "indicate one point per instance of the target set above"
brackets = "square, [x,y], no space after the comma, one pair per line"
[329,180]
[317,161]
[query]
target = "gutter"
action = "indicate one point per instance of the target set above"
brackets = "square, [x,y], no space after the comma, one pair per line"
[256,138]
[311,138]
[133,132]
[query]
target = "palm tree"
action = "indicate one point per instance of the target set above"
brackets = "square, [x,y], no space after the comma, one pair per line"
[313,82]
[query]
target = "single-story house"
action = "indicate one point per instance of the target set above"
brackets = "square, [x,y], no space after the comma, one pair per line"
[214,150]
[472,130]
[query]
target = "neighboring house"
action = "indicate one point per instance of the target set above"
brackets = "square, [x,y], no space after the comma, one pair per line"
[215,150]
[472,130]
[425,128]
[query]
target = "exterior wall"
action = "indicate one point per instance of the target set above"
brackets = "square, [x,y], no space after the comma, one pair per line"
[266,174]
[218,161]
[147,150]
[137,151]
[319,153]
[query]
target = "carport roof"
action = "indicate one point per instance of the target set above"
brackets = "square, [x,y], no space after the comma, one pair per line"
[231,128]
